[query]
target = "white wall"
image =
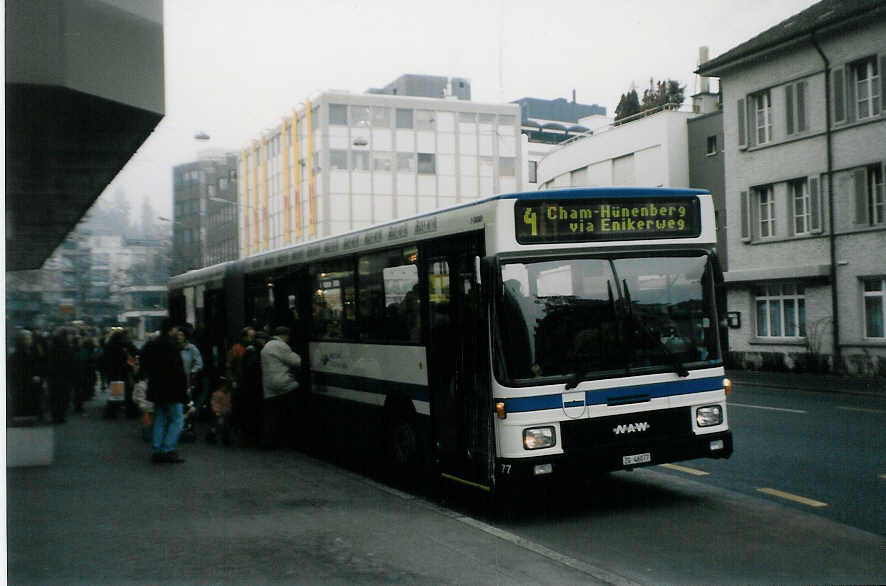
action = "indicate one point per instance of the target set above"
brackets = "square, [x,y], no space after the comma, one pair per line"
[652,151]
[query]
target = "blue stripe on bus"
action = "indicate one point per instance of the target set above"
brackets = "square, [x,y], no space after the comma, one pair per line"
[372,385]
[617,395]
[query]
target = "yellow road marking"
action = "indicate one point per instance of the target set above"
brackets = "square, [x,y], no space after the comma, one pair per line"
[686,469]
[862,409]
[792,497]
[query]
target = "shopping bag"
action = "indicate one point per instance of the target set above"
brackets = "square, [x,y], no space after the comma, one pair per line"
[117,390]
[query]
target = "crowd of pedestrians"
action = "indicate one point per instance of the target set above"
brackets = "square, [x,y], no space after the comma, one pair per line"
[249,399]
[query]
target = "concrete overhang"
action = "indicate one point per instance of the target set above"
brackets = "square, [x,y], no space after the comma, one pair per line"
[801,272]
[84,90]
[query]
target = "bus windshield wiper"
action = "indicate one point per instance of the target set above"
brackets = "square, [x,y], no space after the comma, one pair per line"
[679,368]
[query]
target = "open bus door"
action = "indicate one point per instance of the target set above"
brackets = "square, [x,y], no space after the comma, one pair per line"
[457,363]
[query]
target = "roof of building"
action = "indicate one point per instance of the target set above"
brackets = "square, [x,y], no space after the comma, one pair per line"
[819,16]
[557,109]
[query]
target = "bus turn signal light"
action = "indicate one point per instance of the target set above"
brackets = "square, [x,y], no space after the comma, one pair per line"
[500,410]
[727,385]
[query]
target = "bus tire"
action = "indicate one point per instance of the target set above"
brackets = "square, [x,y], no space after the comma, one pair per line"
[401,451]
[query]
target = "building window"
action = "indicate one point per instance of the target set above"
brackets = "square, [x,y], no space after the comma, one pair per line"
[781,310]
[533,171]
[426,164]
[506,167]
[381,161]
[802,206]
[763,110]
[876,195]
[359,115]
[338,160]
[424,120]
[711,146]
[404,118]
[867,88]
[405,162]
[795,108]
[381,117]
[874,307]
[360,160]
[766,211]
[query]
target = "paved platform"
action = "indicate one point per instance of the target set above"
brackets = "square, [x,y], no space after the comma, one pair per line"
[102,513]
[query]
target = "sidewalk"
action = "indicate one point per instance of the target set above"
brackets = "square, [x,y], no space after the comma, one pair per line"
[830,383]
[102,513]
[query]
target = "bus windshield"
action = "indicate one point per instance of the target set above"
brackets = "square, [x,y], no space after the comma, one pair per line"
[592,318]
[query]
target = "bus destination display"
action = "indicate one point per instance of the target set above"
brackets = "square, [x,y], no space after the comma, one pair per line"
[540,221]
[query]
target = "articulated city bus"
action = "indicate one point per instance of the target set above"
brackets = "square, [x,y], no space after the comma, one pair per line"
[520,336]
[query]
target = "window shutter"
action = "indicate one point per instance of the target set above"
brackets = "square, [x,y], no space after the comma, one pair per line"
[838,88]
[745,219]
[801,106]
[789,108]
[752,121]
[814,203]
[742,127]
[882,83]
[860,179]
[850,94]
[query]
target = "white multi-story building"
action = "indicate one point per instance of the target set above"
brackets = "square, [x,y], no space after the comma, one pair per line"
[805,146]
[354,160]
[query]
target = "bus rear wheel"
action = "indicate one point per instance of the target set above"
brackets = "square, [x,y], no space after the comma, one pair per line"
[401,452]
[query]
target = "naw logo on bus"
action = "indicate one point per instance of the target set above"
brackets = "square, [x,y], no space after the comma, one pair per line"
[631,428]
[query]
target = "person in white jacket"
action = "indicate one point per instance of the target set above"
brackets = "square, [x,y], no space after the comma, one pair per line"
[279,368]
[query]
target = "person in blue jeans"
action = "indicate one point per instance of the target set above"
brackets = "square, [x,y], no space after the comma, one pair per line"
[162,366]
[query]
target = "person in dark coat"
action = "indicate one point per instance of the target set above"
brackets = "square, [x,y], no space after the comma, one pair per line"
[118,360]
[249,397]
[161,364]
[62,373]
[25,374]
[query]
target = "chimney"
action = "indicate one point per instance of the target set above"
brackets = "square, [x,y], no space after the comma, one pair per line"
[705,85]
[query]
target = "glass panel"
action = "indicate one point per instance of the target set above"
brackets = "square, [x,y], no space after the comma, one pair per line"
[873,285]
[381,117]
[359,115]
[404,118]
[775,317]
[506,166]
[873,315]
[559,318]
[338,160]
[426,164]
[381,161]
[801,316]
[360,160]
[762,321]
[424,120]
[333,310]
[406,162]
[790,321]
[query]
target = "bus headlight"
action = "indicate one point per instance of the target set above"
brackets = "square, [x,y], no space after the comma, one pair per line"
[708,416]
[536,438]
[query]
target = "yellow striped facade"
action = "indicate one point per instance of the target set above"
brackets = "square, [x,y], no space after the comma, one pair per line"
[345,161]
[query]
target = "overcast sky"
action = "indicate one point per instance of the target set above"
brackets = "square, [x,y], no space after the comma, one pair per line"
[235,68]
